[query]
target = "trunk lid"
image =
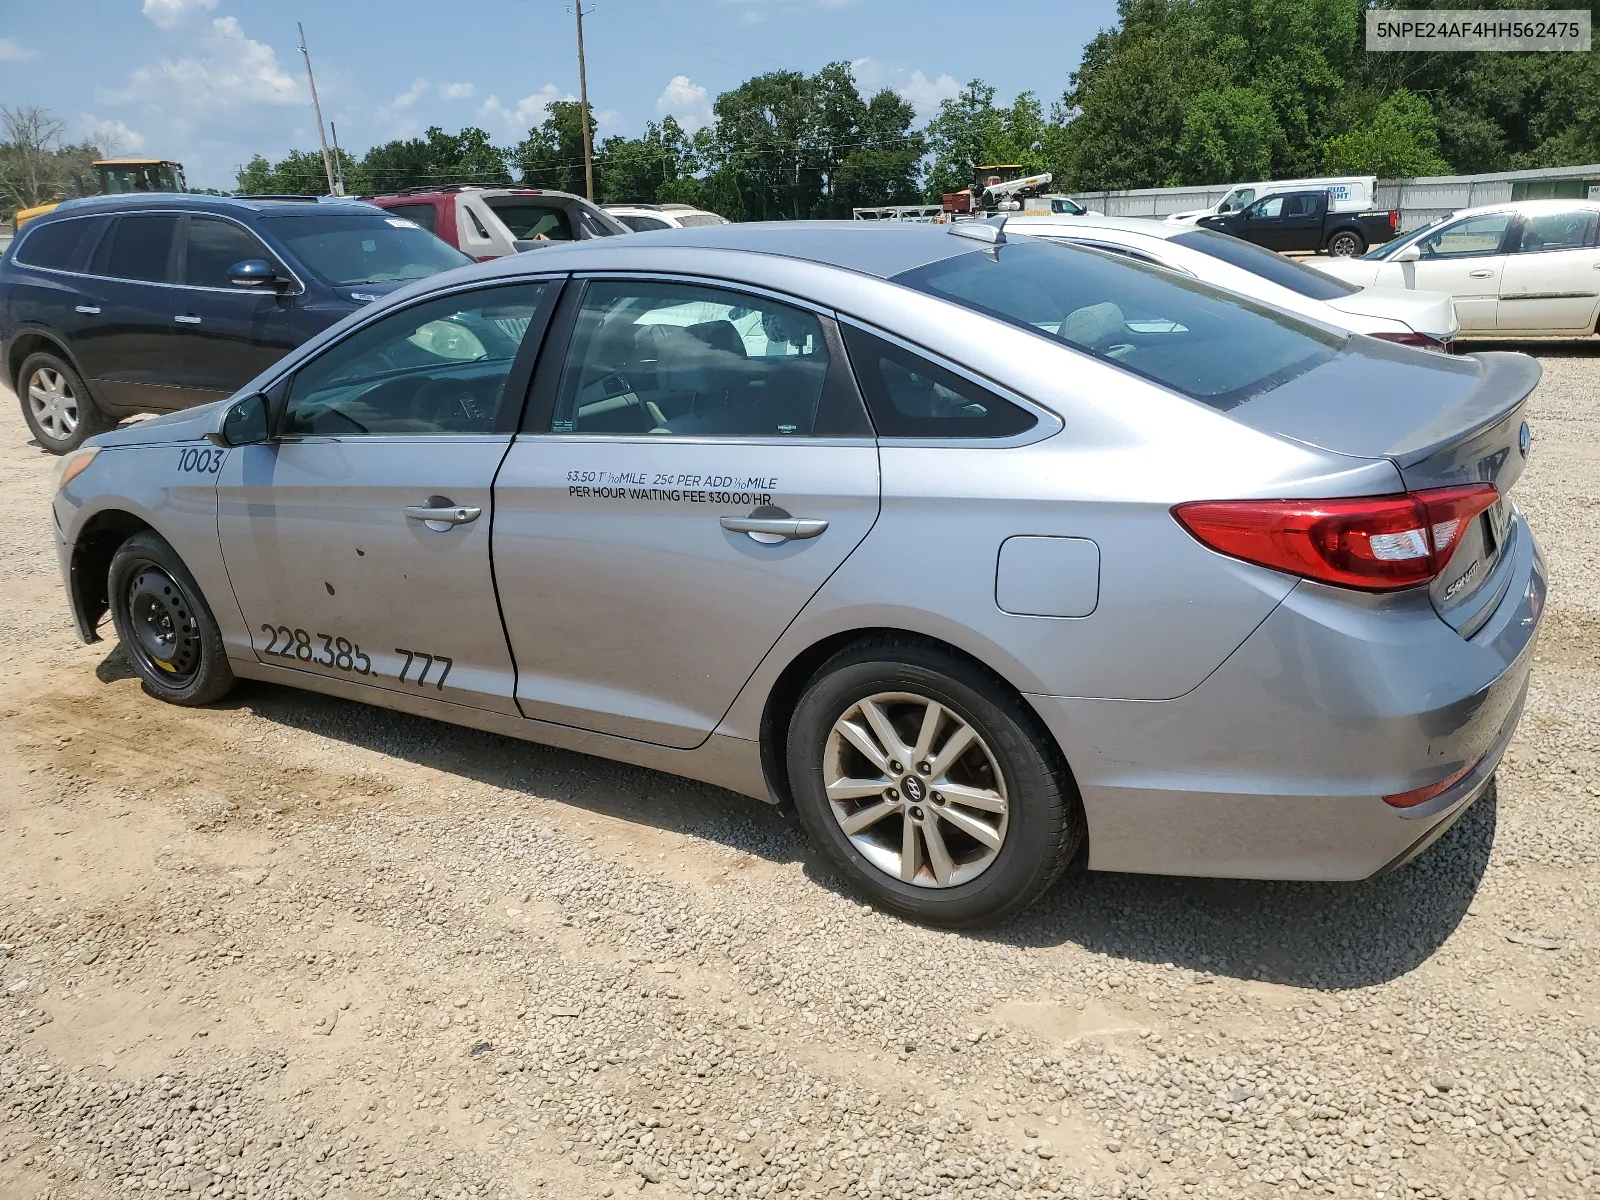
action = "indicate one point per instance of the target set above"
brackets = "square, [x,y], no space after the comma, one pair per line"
[1442,421]
[1432,313]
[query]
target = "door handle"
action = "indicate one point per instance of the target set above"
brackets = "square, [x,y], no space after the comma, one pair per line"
[1480,274]
[775,529]
[189,319]
[442,514]
[93,310]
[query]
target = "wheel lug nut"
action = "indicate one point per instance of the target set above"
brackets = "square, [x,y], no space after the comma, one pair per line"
[937,798]
[895,768]
[890,794]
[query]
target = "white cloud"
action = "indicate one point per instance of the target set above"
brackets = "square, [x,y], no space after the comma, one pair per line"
[914,87]
[526,113]
[457,91]
[418,89]
[113,136]
[169,14]
[685,100]
[237,70]
[12,50]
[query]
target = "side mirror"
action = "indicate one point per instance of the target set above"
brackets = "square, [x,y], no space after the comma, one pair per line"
[244,424]
[1409,253]
[252,272]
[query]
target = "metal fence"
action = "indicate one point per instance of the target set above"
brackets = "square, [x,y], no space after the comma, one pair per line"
[1419,200]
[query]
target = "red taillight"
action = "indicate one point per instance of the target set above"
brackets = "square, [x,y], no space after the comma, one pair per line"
[1374,543]
[1394,218]
[1422,795]
[1411,338]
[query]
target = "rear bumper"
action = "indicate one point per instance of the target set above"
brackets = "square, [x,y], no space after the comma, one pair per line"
[1275,767]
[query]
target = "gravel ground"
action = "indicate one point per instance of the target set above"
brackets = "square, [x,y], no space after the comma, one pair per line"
[293,947]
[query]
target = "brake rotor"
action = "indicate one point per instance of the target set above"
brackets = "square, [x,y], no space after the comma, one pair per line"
[164,624]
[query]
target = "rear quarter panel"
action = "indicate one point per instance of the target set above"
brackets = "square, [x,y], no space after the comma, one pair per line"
[168,487]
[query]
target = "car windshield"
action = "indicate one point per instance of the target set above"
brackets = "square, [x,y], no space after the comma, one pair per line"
[1270,265]
[346,249]
[1379,253]
[1208,344]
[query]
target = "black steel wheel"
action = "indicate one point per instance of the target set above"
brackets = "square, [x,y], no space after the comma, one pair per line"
[165,626]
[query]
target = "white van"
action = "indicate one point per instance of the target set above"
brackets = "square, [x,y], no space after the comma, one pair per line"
[1346,193]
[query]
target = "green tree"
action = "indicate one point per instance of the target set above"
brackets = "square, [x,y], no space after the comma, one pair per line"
[551,156]
[654,169]
[1230,133]
[970,131]
[301,173]
[1401,140]
[433,160]
[36,164]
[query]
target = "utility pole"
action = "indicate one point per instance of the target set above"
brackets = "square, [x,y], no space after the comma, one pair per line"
[338,161]
[583,101]
[322,136]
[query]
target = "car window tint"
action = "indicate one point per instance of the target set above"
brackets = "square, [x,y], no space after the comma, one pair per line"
[141,246]
[1247,256]
[680,359]
[908,396]
[1301,205]
[1570,230]
[1214,346]
[57,244]
[436,367]
[1272,206]
[639,224]
[1473,236]
[213,246]
[533,222]
[423,214]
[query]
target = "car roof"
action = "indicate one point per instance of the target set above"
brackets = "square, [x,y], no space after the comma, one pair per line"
[200,203]
[881,248]
[490,192]
[1528,206]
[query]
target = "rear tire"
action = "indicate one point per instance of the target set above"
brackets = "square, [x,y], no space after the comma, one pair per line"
[56,405]
[977,853]
[1346,243]
[165,626]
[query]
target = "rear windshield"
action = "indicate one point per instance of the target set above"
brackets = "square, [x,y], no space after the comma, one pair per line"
[1210,345]
[529,222]
[690,220]
[1268,264]
[345,249]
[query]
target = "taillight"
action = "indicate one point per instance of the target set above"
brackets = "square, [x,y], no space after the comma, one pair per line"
[1411,338]
[1374,543]
[1394,218]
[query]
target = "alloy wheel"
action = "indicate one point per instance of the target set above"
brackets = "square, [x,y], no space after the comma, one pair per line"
[52,403]
[1344,245]
[916,789]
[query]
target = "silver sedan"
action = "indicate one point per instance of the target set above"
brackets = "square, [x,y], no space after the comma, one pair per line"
[984,554]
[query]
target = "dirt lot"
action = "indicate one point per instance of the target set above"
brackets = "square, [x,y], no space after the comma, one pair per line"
[292,947]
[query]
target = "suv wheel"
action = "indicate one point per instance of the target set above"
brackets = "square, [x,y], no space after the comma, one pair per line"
[58,408]
[1346,243]
[164,624]
[929,785]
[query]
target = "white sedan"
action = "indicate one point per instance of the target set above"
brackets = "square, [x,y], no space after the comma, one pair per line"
[1412,318]
[1528,269]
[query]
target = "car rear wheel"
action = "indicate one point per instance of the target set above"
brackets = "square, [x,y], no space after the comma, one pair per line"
[1346,243]
[58,408]
[929,785]
[165,626]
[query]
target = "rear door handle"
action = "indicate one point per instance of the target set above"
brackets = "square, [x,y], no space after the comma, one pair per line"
[1481,274]
[93,310]
[189,319]
[442,515]
[775,529]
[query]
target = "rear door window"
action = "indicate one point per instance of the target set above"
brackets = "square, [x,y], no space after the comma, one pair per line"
[141,248]
[909,396]
[1573,229]
[1210,345]
[213,246]
[60,245]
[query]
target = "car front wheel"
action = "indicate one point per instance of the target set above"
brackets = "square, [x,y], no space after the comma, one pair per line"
[929,785]
[1346,244]
[165,626]
[56,405]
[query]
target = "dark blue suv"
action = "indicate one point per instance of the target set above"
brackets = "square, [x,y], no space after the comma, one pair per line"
[117,305]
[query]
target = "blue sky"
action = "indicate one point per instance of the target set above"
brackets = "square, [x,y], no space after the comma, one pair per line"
[210,82]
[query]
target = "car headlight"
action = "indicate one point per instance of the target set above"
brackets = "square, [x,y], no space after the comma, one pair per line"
[72,465]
